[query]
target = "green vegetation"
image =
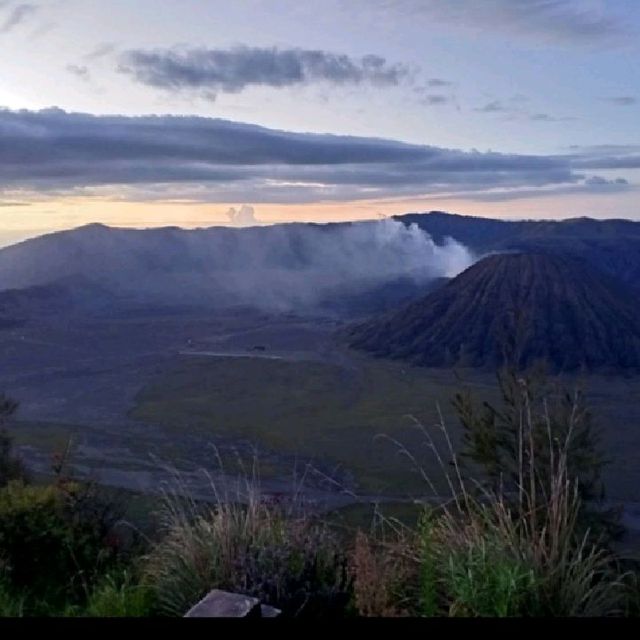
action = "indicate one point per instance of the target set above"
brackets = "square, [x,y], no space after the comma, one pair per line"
[517,541]
[329,413]
[286,559]
[11,467]
[121,594]
[518,544]
[516,441]
[336,415]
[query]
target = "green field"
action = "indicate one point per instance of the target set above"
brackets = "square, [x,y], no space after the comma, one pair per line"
[344,415]
[49,437]
[317,410]
[339,416]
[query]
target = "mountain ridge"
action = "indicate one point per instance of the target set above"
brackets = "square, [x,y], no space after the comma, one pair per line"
[517,306]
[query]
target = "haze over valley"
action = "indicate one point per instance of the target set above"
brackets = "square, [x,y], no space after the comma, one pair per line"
[135,343]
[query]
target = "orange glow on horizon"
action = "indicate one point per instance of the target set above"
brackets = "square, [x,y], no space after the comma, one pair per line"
[52,215]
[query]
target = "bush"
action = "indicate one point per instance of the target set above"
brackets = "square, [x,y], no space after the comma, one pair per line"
[55,540]
[381,577]
[520,544]
[11,467]
[481,581]
[287,561]
[517,441]
[490,563]
[521,547]
[118,595]
[11,605]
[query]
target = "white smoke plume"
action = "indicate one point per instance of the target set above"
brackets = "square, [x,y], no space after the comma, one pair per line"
[301,264]
[289,267]
[243,217]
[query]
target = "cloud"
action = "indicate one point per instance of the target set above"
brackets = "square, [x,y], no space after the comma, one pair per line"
[607,157]
[564,22]
[594,186]
[243,217]
[427,96]
[16,16]
[439,82]
[9,203]
[599,181]
[435,99]
[515,111]
[233,70]
[101,51]
[213,160]
[623,101]
[493,107]
[545,117]
[80,71]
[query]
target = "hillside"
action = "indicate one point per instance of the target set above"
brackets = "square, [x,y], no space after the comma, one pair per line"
[349,268]
[343,269]
[531,305]
[612,246]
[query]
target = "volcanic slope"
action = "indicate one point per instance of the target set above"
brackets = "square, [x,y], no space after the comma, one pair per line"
[523,307]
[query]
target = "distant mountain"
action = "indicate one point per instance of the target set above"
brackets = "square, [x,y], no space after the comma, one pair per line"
[62,297]
[612,246]
[348,268]
[378,299]
[530,306]
[342,269]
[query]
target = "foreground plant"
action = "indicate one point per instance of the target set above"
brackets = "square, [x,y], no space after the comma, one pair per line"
[245,544]
[519,542]
[521,546]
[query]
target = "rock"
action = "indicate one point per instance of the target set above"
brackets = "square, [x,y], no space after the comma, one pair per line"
[222,604]
[269,612]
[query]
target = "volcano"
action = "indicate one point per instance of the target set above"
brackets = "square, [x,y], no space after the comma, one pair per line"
[517,308]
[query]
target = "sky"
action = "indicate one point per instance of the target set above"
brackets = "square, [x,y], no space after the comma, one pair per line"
[204,112]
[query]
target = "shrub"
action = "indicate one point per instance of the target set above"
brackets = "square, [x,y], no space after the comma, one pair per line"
[520,547]
[383,575]
[518,441]
[54,539]
[492,562]
[119,594]
[11,604]
[11,467]
[286,560]
[481,581]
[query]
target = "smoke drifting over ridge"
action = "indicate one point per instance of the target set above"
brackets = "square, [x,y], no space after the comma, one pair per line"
[291,267]
[300,266]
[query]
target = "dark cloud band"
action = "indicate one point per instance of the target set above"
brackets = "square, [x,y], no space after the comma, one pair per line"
[211,159]
[233,70]
[568,22]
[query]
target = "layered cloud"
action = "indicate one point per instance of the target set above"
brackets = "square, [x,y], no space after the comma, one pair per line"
[15,15]
[211,160]
[551,21]
[623,101]
[607,157]
[233,70]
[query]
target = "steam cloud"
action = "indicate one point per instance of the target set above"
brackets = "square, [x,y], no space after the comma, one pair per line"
[292,267]
[243,217]
[300,265]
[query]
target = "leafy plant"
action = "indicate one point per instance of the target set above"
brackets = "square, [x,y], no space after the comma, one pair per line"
[519,440]
[249,546]
[120,594]
[11,467]
[482,582]
[55,539]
